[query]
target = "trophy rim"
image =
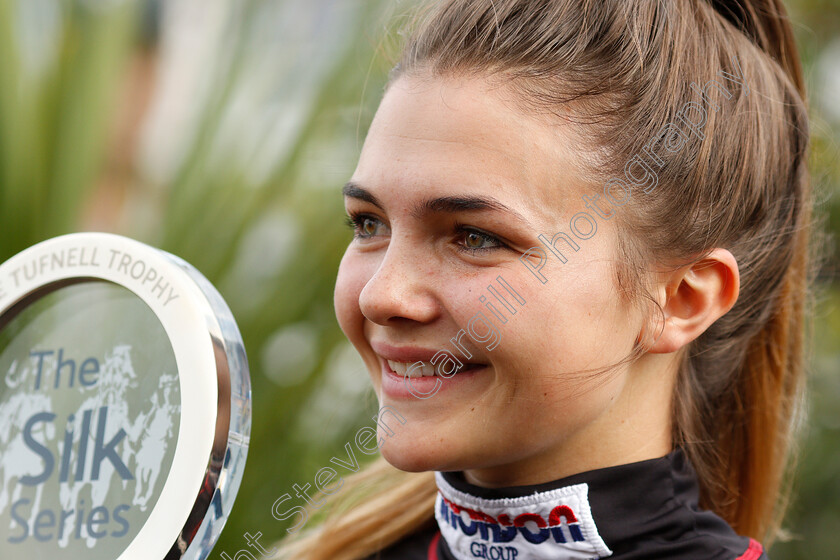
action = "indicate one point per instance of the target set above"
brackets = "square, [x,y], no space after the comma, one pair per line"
[213,376]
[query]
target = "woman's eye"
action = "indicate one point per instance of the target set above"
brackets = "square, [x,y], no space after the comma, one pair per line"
[364,226]
[470,240]
[475,241]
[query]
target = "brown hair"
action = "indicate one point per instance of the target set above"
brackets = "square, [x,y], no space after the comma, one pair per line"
[625,69]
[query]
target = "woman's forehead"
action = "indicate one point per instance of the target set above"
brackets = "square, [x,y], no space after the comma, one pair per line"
[442,133]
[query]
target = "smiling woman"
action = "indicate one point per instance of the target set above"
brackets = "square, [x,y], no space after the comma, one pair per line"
[410,283]
[641,402]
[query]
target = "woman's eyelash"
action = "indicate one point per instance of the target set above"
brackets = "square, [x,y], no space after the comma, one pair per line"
[356,220]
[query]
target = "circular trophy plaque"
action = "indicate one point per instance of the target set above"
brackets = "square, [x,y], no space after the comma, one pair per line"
[124,403]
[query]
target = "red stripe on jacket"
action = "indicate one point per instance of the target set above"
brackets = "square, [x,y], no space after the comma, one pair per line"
[433,555]
[753,552]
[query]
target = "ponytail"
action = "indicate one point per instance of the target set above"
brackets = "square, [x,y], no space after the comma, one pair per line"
[751,425]
[757,422]
[758,432]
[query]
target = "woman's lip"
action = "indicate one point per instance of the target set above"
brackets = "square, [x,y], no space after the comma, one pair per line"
[405,354]
[410,354]
[402,353]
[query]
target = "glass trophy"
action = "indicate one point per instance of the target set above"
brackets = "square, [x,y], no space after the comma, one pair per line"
[124,404]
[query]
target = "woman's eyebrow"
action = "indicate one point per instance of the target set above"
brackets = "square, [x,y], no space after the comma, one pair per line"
[444,204]
[355,190]
[454,204]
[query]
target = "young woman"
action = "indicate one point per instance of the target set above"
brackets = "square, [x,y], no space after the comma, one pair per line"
[578,279]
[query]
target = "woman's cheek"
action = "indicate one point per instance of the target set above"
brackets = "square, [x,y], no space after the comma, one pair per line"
[462,294]
[348,285]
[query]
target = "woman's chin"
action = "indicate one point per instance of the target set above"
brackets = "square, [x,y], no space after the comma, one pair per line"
[414,458]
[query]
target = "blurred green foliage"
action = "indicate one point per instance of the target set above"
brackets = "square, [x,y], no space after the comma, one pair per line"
[52,124]
[248,191]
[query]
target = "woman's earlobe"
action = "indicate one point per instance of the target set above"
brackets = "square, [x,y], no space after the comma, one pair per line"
[697,296]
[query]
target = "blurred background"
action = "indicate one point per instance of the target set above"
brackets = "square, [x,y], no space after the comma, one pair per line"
[222,131]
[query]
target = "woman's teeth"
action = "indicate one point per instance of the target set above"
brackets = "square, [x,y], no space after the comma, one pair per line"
[426,370]
[402,368]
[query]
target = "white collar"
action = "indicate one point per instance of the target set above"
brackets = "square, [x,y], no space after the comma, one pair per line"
[555,524]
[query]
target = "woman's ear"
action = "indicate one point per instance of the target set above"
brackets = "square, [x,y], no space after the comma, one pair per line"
[695,297]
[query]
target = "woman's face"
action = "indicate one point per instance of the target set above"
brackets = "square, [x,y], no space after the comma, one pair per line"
[454,184]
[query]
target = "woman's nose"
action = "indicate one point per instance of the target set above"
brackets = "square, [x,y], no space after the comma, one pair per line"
[401,288]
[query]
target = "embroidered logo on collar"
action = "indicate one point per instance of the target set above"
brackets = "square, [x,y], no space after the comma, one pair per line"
[552,525]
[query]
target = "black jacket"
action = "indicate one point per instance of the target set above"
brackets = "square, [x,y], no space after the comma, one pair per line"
[640,511]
